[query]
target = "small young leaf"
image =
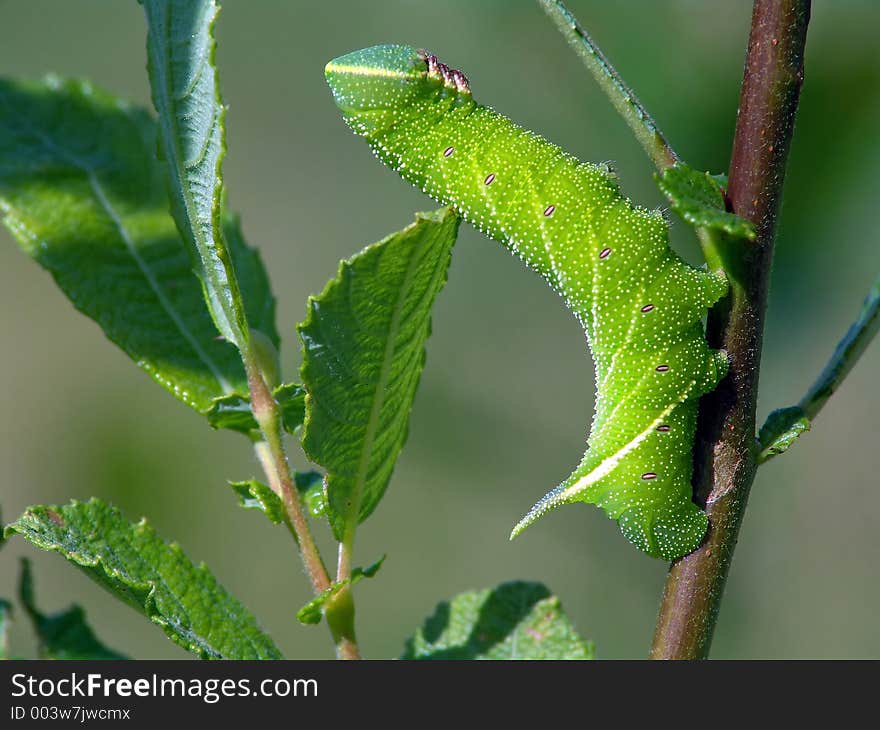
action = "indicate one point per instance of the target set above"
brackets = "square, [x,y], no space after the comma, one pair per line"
[516,620]
[256,495]
[780,430]
[62,635]
[698,198]
[233,412]
[155,578]
[186,94]
[363,352]
[312,611]
[292,399]
[82,192]
[310,485]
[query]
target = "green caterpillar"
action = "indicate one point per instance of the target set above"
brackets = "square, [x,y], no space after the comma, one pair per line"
[640,304]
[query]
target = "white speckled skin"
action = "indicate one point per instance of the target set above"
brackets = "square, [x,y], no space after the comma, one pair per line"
[640,304]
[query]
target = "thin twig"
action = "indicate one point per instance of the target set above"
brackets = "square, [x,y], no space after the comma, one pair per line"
[847,353]
[786,424]
[267,415]
[274,460]
[267,461]
[622,98]
[627,104]
[725,453]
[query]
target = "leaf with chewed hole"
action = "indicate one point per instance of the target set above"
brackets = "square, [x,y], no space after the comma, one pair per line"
[82,192]
[699,199]
[62,635]
[363,352]
[516,620]
[155,578]
[311,613]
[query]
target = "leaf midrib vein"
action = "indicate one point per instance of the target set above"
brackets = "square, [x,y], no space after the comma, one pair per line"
[154,285]
[104,202]
[180,167]
[378,402]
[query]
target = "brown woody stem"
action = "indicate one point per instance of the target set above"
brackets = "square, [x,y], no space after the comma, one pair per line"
[725,453]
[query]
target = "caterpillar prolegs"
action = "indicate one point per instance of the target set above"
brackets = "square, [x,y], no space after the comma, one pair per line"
[640,304]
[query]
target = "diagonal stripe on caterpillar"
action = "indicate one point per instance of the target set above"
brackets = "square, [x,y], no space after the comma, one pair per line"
[640,304]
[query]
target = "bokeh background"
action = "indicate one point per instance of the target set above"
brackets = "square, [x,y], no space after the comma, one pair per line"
[506,397]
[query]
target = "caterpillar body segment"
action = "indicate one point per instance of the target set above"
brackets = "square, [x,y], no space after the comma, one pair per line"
[640,304]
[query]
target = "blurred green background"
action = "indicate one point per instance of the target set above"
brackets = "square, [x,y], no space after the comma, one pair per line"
[506,397]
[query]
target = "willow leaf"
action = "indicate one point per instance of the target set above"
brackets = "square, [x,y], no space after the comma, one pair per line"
[253,494]
[62,635]
[81,191]
[782,428]
[699,199]
[155,578]
[364,348]
[310,485]
[516,620]
[186,94]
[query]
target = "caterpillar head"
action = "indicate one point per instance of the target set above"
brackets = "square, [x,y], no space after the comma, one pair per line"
[371,83]
[376,77]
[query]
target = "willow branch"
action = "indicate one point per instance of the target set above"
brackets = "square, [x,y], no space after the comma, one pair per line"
[726,452]
[274,460]
[846,355]
[622,98]
[627,104]
[784,425]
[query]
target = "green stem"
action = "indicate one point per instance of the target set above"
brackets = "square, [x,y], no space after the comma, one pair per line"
[268,416]
[627,104]
[340,611]
[725,453]
[847,353]
[270,452]
[346,549]
[264,455]
[622,98]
